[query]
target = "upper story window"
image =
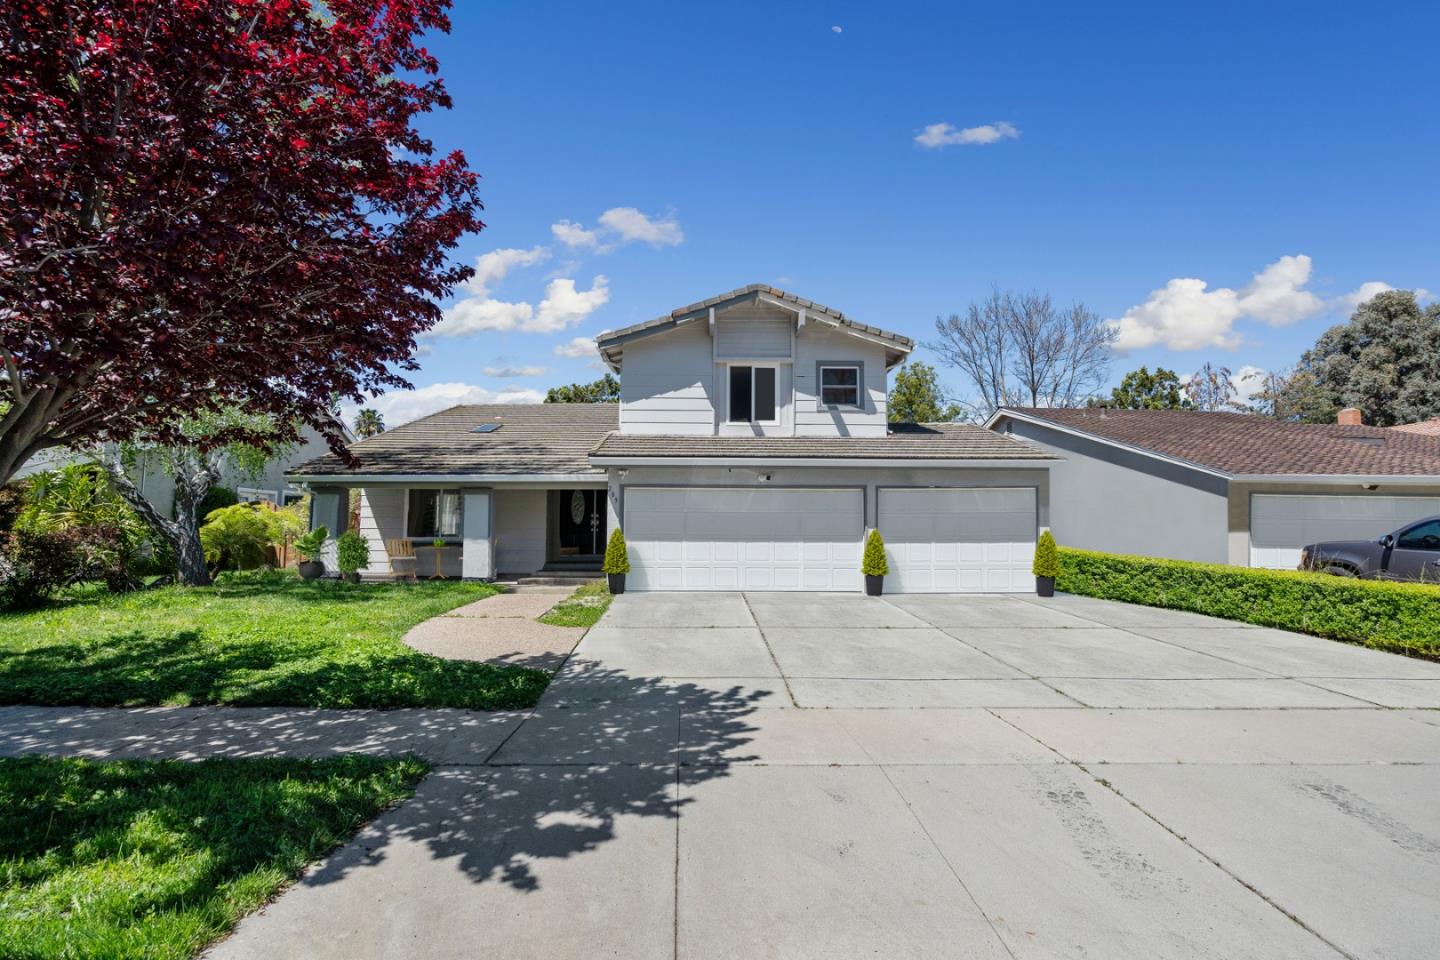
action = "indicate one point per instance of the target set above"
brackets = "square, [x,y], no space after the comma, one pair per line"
[433,513]
[752,394]
[839,385]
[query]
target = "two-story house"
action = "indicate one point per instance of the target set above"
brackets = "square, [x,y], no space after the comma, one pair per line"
[750,450]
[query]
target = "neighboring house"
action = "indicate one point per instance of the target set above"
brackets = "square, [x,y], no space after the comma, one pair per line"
[158,485]
[750,450]
[1426,428]
[1225,487]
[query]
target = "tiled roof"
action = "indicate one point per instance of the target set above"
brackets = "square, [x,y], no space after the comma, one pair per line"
[533,438]
[1241,443]
[1426,428]
[610,338]
[907,441]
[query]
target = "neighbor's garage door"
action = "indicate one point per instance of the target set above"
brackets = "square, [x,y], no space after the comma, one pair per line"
[959,540]
[714,538]
[1280,524]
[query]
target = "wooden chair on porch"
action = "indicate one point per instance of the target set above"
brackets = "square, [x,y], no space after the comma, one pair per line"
[402,559]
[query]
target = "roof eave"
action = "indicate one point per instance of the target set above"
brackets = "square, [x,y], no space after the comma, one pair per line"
[1004,412]
[621,460]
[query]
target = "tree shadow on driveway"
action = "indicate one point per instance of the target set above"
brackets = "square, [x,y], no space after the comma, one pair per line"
[563,780]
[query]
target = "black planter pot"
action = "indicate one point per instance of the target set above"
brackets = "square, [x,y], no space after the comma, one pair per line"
[310,569]
[1045,586]
[874,585]
[617,582]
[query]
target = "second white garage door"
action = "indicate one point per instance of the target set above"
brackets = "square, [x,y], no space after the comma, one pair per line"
[1280,524]
[721,538]
[959,540]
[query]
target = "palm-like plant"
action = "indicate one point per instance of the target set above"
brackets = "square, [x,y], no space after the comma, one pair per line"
[369,423]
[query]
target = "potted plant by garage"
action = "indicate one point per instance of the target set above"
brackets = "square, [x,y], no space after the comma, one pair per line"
[1047,565]
[617,562]
[351,553]
[873,564]
[309,547]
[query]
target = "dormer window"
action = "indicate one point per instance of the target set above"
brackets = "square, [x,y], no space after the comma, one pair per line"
[840,385]
[752,394]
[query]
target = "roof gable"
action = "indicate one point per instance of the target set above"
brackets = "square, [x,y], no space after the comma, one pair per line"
[612,343]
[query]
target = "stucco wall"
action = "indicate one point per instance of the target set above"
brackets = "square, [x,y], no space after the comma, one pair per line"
[1106,498]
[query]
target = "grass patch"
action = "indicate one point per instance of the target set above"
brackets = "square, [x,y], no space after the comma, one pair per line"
[251,640]
[155,859]
[1396,617]
[583,608]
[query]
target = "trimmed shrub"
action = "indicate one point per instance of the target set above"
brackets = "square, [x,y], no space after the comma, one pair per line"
[35,565]
[352,552]
[1384,615]
[239,537]
[873,563]
[1047,556]
[617,557]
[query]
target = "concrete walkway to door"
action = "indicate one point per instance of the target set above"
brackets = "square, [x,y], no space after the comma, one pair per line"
[764,775]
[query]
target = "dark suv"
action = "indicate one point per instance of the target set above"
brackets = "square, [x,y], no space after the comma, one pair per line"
[1410,553]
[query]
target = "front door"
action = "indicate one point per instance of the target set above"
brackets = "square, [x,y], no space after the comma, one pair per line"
[577,525]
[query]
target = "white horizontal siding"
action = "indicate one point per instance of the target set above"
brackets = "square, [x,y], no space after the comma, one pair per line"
[817,342]
[753,332]
[666,385]
[382,517]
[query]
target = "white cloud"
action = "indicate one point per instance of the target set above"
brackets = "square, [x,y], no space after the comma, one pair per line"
[1367,291]
[938,135]
[577,347]
[564,306]
[402,406]
[1186,314]
[836,29]
[491,268]
[573,234]
[1248,381]
[514,371]
[631,225]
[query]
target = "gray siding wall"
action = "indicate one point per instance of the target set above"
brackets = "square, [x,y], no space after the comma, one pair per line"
[752,332]
[870,479]
[667,382]
[382,517]
[519,530]
[817,343]
[1105,498]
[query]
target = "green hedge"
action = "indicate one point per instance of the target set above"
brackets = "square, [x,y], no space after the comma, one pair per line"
[1399,617]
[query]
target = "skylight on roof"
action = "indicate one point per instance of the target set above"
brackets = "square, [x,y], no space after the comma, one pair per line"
[486,428]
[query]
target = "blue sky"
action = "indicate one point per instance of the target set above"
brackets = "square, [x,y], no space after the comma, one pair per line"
[1256,164]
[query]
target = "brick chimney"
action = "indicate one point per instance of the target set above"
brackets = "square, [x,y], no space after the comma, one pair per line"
[1350,417]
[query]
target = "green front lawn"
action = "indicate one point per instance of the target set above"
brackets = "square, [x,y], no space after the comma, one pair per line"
[155,859]
[255,640]
[583,608]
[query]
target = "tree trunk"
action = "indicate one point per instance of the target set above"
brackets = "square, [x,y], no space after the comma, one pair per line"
[182,533]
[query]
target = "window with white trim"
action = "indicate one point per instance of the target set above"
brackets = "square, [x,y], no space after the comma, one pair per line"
[433,514]
[840,386]
[752,394]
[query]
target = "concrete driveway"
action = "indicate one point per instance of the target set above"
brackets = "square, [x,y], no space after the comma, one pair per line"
[768,775]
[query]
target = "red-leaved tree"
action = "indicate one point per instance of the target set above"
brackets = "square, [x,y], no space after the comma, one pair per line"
[215,203]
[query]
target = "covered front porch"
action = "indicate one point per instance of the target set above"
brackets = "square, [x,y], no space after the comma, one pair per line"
[493,532]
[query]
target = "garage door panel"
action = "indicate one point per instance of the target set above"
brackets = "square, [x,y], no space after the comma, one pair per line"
[711,538]
[958,540]
[1280,524]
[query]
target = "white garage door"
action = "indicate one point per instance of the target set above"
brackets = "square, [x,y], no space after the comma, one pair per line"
[959,540]
[715,538]
[1280,524]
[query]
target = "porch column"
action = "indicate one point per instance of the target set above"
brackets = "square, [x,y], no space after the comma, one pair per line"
[477,558]
[329,508]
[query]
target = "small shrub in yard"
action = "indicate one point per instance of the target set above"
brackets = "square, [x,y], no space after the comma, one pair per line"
[351,552]
[238,537]
[1399,617]
[873,563]
[617,558]
[35,565]
[1047,556]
